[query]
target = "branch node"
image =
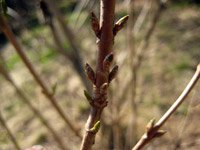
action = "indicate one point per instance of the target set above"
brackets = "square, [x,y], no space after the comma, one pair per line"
[95,24]
[153,129]
[101,104]
[95,128]
[113,73]
[120,24]
[90,73]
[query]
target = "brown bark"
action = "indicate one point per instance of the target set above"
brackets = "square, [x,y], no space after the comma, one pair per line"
[105,47]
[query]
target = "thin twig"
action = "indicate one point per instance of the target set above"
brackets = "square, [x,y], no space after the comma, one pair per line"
[140,19]
[49,11]
[131,134]
[140,51]
[145,43]
[11,136]
[153,129]
[80,22]
[7,31]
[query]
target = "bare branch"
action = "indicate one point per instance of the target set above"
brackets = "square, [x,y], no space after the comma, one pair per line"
[154,131]
[141,17]
[105,58]
[75,55]
[145,43]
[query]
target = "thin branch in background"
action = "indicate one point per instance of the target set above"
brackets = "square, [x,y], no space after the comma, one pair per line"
[131,135]
[75,54]
[7,31]
[49,19]
[100,78]
[5,74]
[140,51]
[136,56]
[184,125]
[113,114]
[11,136]
[83,20]
[140,19]
[79,9]
[84,4]
[153,129]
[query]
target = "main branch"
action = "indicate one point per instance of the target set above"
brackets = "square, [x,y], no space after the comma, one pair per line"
[105,32]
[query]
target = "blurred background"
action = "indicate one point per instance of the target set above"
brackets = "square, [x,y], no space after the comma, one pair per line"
[58,40]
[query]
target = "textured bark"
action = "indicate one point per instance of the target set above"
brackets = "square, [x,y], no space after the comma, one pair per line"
[105,46]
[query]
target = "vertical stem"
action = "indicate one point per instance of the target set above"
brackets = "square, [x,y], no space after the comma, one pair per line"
[137,60]
[141,18]
[145,43]
[11,136]
[117,134]
[7,31]
[105,46]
